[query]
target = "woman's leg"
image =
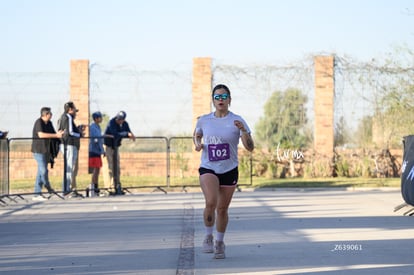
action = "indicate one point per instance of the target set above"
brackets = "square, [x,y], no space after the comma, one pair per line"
[95,175]
[224,200]
[210,187]
[225,196]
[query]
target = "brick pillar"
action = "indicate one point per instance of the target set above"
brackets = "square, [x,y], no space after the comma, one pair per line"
[201,87]
[201,93]
[79,94]
[324,106]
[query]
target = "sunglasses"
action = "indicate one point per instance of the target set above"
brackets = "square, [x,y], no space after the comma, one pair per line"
[223,96]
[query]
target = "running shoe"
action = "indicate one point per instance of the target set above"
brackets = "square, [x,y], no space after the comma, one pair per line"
[219,250]
[208,246]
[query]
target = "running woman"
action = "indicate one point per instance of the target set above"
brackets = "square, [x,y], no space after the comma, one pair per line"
[217,134]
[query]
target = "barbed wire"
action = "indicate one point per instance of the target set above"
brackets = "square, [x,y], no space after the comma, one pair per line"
[160,101]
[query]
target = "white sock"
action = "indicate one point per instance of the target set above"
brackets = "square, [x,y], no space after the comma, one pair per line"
[220,236]
[209,230]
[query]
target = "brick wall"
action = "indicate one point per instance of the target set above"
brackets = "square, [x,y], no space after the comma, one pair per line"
[79,94]
[135,164]
[201,87]
[324,106]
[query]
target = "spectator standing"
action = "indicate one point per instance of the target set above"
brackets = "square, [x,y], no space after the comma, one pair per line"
[3,134]
[117,129]
[96,150]
[44,143]
[70,148]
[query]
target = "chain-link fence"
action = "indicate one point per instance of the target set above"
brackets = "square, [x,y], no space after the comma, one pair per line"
[159,103]
[4,167]
[147,162]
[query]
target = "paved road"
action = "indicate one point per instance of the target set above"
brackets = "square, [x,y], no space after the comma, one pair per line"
[270,232]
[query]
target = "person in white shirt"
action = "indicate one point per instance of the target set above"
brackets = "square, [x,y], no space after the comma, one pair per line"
[217,135]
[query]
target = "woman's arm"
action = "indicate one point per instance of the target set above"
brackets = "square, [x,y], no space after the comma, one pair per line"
[246,138]
[197,136]
[247,141]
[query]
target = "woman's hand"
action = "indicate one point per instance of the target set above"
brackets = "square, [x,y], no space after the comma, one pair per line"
[240,126]
[197,142]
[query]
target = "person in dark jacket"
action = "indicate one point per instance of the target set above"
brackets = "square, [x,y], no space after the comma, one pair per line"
[70,147]
[43,143]
[116,130]
[3,134]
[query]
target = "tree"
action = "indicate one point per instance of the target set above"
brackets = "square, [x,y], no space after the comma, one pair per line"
[363,135]
[387,85]
[342,135]
[283,121]
[395,115]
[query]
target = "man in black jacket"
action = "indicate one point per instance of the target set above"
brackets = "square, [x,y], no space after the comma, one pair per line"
[70,147]
[3,134]
[116,130]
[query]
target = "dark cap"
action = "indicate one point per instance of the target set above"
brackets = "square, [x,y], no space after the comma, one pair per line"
[120,115]
[96,115]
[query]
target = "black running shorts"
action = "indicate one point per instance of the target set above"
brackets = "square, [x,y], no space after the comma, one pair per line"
[229,178]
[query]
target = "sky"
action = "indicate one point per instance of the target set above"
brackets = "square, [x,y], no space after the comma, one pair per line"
[44,35]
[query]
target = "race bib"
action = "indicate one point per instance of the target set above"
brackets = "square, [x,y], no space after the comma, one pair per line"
[218,151]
